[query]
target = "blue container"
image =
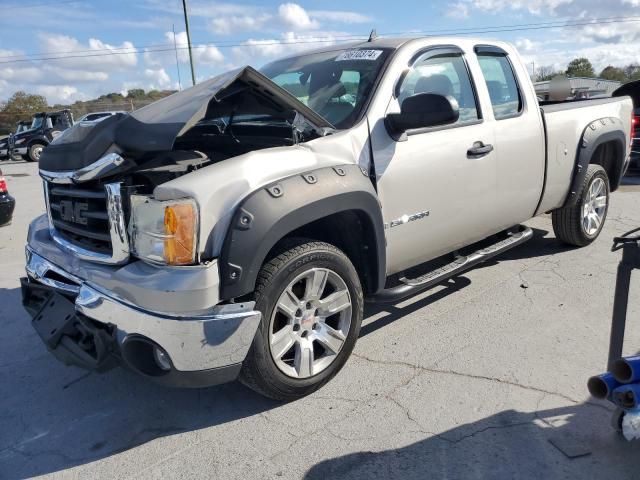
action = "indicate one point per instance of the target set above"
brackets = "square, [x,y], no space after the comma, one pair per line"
[627,370]
[602,386]
[627,396]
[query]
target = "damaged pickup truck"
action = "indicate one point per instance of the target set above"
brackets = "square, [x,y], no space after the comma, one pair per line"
[235,229]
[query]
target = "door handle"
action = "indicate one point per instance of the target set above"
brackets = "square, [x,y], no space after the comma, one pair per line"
[479,149]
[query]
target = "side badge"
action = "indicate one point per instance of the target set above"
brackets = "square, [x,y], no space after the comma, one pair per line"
[406,219]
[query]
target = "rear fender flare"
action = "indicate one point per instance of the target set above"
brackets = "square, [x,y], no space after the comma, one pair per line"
[597,133]
[272,212]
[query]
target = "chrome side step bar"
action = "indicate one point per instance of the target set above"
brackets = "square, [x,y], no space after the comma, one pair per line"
[411,286]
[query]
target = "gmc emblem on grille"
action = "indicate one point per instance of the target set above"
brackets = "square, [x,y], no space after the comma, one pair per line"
[72,211]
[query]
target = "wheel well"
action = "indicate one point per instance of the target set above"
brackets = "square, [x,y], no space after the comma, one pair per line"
[37,141]
[352,232]
[608,156]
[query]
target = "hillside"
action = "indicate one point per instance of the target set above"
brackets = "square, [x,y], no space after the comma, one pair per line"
[22,105]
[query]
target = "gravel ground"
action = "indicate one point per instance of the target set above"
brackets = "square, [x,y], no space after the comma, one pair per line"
[483,377]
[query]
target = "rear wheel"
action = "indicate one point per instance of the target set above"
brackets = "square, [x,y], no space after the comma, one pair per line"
[34,152]
[581,223]
[311,302]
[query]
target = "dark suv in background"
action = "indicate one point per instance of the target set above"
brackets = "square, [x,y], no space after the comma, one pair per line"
[45,127]
[21,126]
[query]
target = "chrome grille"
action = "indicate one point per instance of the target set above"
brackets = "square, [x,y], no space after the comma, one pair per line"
[88,220]
[80,214]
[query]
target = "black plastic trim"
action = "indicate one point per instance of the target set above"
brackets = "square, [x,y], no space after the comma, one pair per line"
[301,203]
[490,50]
[597,132]
[199,378]
[173,378]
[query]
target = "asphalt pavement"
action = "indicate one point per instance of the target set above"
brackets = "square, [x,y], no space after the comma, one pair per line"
[484,377]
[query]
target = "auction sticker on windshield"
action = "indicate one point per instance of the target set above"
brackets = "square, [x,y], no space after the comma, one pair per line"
[359,55]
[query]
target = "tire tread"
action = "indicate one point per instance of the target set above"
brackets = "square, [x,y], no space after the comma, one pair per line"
[289,250]
[567,220]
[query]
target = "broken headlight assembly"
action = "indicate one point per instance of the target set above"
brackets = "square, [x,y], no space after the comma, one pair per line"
[164,232]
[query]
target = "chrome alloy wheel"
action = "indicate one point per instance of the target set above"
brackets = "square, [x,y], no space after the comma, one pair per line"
[310,323]
[594,207]
[37,151]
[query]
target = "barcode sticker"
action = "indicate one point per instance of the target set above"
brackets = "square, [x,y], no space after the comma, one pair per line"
[359,55]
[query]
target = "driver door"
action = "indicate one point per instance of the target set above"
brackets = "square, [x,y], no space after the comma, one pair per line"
[436,194]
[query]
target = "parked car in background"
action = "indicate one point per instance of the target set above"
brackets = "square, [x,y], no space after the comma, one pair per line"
[21,126]
[235,229]
[97,116]
[7,203]
[44,128]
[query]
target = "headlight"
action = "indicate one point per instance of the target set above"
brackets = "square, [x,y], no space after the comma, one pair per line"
[164,232]
[18,142]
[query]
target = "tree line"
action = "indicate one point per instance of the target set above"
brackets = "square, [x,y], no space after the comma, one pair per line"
[582,67]
[22,105]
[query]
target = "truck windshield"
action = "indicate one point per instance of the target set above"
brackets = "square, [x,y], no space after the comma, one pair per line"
[336,84]
[37,122]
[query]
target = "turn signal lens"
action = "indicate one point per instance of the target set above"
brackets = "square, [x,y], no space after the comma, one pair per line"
[164,232]
[180,223]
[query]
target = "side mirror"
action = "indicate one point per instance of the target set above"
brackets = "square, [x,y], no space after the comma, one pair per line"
[424,110]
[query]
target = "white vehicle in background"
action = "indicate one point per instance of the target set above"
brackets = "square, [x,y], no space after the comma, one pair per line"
[98,116]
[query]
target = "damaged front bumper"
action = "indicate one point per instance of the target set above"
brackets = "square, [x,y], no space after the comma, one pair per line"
[86,326]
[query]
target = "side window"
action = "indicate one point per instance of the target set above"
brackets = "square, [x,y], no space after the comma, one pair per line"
[444,74]
[501,83]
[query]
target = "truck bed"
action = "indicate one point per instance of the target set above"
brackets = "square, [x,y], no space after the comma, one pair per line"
[565,123]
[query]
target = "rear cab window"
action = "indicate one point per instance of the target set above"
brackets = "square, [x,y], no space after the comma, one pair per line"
[504,92]
[443,74]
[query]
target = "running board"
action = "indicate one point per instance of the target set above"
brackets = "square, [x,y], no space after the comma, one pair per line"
[411,286]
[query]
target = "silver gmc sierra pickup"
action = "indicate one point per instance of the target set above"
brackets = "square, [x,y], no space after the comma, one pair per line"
[235,229]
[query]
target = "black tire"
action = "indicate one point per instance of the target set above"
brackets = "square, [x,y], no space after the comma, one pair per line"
[567,221]
[259,371]
[32,155]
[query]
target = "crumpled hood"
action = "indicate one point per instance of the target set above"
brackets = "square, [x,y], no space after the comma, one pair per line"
[154,128]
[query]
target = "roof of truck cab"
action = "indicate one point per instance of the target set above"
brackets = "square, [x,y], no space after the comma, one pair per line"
[397,42]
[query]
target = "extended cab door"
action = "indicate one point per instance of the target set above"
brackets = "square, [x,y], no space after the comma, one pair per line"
[436,193]
[519,133]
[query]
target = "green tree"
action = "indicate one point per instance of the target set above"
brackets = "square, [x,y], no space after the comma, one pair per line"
[580,67]
[135,93]
[613,73]
[21,106]
[546,73]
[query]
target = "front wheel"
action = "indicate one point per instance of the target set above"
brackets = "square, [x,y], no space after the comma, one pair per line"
[580,224]
[311,302]
[34,152]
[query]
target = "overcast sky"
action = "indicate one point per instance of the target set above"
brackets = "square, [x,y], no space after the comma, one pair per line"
[241,32]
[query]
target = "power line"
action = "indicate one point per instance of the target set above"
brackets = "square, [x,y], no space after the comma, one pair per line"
[345,38]
[158,48]
[41,4]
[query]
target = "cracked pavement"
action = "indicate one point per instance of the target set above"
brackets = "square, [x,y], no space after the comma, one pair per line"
[480,377]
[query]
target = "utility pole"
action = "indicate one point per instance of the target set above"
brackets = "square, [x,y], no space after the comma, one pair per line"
[175,47]
[186,24]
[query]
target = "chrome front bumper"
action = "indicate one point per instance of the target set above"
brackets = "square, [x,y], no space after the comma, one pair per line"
[4,152]
[218,338]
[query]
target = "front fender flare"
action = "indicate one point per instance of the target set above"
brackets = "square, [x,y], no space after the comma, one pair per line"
[269,214]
